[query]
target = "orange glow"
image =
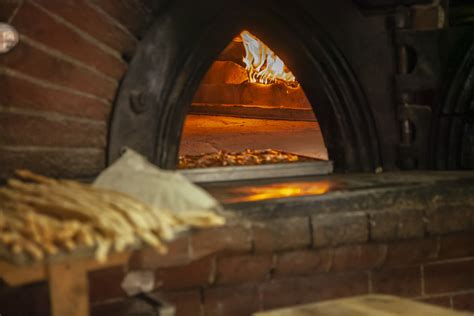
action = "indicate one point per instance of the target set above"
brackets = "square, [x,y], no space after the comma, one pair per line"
[262,65]
[281,190]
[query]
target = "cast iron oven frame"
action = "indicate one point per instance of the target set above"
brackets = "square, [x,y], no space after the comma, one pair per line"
[185,39]
[347,59]
[453,146]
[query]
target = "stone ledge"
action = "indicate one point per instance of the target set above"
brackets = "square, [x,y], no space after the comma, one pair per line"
[339,229]
[281,234]
[371,193]
[396,224]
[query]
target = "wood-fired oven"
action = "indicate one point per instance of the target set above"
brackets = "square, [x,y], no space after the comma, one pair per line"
[362,89]
[379,79]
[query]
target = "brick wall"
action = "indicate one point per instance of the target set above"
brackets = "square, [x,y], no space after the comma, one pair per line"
[276,260]
[239,270]
[63,77]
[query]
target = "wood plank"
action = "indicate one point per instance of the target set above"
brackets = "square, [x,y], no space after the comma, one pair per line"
[367,305]
[68,289]
[67,277]
[15,275]
[113,260]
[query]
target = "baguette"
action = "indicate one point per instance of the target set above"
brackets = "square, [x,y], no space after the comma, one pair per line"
[41,217]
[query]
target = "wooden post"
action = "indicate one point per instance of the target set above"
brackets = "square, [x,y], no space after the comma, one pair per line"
[67,277]
[69,289]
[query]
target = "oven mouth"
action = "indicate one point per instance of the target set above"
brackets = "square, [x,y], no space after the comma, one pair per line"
[250,119]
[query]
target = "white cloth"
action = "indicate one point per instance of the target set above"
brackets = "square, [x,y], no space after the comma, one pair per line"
[134,175]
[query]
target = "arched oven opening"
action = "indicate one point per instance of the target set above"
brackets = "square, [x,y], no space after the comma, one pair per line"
[250,110]
[164,77]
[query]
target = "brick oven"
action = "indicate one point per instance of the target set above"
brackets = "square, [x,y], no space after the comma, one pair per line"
[381,105]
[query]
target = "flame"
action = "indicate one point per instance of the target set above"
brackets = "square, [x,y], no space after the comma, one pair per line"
[262,65]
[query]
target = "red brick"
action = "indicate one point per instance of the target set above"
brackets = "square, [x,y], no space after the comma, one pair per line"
[411,252]
[39,26]
[123,307]
[25,130]
[450,276]
[243,269]
[87,18]
[105,284]
[457,245]
[443,301]
[133,14]
[301,262]
[464,302]
[187,303]
[149,258]
[293,291]
[197,273]
[398,224]
[231,300]
[114,307]
[405,281]
[7,8]
[282,234]
[24,94]
[449,218]
[339,228]
[50,68]
[54,162]
[358,257]
[228,238]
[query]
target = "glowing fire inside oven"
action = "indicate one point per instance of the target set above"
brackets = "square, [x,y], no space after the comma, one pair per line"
[262,65]
[281,190]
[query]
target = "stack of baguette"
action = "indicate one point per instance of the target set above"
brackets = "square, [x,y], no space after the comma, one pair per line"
[41,217]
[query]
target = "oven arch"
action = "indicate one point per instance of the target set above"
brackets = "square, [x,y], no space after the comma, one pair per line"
[453,127]
[180,46]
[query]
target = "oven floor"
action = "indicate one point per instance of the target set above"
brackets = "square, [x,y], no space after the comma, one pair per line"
[204,134]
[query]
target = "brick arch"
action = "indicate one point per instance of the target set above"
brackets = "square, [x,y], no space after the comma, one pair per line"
[63,77]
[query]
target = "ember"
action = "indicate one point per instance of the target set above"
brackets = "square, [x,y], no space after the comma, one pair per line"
[281,190]
[246,158]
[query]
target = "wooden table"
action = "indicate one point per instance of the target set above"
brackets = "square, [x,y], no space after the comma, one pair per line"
[68,281]
[368,305]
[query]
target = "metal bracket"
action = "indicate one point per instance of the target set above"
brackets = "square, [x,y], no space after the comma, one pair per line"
[413,148]
[416,81]
[425,69]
